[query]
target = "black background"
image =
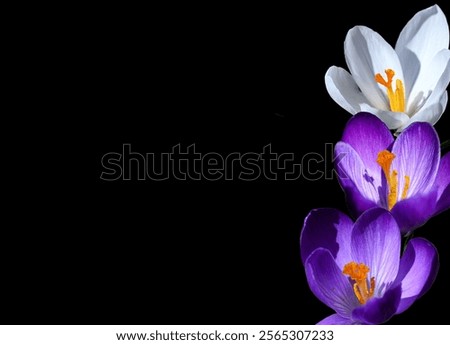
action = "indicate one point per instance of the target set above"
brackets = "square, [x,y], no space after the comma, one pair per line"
[227,78]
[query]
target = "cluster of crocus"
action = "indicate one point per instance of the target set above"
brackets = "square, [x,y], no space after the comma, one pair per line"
[393,185]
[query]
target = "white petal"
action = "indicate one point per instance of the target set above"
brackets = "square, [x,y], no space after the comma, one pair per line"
[392,119]
[436,94]
[343,89]
[429,114]
[428,80]
[420,40]
[367,54]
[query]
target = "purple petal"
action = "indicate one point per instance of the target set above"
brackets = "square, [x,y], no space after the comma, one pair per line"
[418,269]
[336,319]
[327,228]
[417,156]
[444,201]
[379,310]
[376,243]
[328,283]
[413,212]
[356,203]
[442,184]
[352,173]
[443,175]
[368,135]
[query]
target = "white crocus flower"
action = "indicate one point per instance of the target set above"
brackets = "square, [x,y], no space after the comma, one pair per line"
[401,85]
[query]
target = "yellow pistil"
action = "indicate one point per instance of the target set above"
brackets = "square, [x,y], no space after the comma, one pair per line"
[358,273]
[396,97]
[384,160]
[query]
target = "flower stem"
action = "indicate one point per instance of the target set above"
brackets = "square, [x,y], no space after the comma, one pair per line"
[406,239]
[445,145]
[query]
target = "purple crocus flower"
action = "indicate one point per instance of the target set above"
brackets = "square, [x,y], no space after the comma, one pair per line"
[406,176]
[356,269]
